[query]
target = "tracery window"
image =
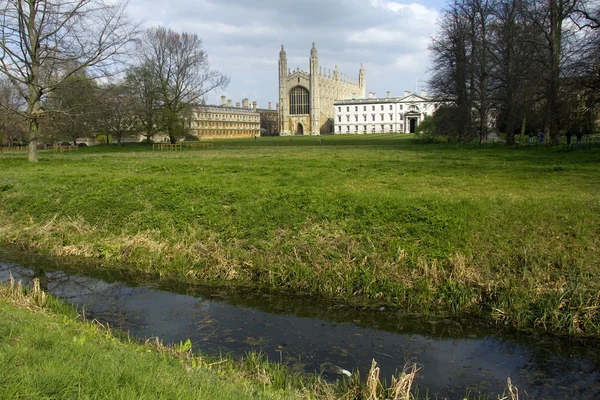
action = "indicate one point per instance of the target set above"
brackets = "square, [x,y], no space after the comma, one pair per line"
[299,101]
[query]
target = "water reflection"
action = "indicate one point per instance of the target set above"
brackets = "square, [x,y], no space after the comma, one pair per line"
[455,356]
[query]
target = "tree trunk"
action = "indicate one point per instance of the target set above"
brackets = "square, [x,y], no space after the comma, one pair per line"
[555,49]
[33,101]
[171,131]
[34,127]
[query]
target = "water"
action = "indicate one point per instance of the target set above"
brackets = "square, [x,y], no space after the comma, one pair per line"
[455,356]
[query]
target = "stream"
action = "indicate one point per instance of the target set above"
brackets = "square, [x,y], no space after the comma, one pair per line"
[456,356]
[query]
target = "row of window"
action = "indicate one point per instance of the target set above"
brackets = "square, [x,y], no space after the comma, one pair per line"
[373,117]
[373,108]
[226,133]
[201,124]
[365,128]
[228,117]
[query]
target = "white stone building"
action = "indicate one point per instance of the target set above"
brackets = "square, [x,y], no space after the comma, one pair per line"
[383,115]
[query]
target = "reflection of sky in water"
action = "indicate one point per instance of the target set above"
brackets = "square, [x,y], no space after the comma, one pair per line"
[449,366]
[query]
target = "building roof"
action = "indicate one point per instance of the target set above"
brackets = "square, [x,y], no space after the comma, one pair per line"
[227,109]
[379,100]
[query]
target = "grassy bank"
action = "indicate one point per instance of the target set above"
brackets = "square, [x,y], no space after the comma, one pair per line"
[514,234]
[48,352]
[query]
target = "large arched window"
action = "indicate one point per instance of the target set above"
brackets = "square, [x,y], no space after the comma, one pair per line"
[299,101]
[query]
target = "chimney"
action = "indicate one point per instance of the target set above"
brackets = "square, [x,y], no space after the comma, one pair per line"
[237,104]
[423,93]
[269,105]
[255,106]
[229,103]
[223,100]
[245,103]
[406,93]
[388,94]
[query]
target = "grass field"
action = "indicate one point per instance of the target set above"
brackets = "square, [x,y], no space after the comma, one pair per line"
[511,234]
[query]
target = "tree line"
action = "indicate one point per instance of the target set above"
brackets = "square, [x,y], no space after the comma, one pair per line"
[71,69]
[520,66]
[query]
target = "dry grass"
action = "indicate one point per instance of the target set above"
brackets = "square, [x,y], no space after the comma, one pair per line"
[323,258]
[373,389]
[33,299]
[511,392]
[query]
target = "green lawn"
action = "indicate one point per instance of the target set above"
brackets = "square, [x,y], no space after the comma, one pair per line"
[512,234]
[56,357]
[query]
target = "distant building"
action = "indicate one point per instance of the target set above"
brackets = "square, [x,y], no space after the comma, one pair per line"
[269,121]
[306,98]
[225,121]
[383,115]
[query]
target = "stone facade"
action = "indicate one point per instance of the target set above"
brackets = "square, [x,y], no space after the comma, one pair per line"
[225,121]
[383,115]
[306,98]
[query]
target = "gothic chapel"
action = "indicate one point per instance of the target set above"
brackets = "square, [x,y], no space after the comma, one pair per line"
[306,99]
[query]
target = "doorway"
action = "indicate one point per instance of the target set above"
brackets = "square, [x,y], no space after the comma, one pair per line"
[413,125]
[300,129]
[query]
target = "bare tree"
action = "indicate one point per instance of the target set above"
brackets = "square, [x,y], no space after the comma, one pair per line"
[557,22]
[116,116]
[483,11]
[515,79]
[11,122]
[521,60]
[144,89]
[44,42]
[71,110]
[452,71]
[183,73]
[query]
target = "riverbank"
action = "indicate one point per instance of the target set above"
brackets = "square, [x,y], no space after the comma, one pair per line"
[510,234]
[51,351]
[47,352]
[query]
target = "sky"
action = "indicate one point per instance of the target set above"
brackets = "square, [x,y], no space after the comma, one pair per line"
[243,39]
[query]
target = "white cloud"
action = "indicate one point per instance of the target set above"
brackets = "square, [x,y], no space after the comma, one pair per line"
[375,35]
[243,38]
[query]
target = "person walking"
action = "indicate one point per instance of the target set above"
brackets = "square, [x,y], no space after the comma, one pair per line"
[579,135]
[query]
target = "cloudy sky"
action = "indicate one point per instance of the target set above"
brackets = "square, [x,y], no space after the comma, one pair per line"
[243,39]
